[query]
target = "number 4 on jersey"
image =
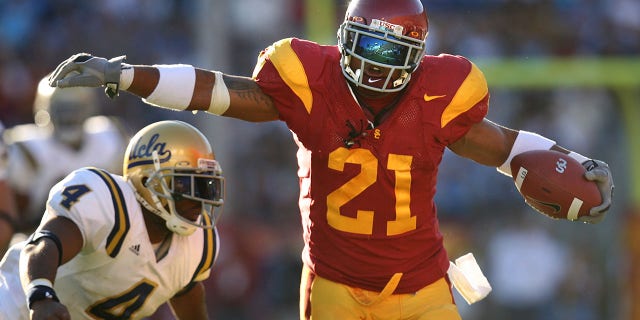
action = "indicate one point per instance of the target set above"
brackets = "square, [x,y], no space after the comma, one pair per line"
[72,194]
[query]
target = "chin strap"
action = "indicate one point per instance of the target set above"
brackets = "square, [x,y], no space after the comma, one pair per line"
[404,77]
[355,75]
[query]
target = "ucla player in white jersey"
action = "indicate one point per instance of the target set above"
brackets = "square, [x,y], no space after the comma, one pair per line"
[67,134]
[118,247]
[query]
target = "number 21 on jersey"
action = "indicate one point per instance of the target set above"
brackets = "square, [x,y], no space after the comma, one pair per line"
[368,175]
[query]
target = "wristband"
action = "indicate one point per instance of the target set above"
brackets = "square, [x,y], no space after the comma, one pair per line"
[40,289]
[581,159]
[525,141]
[126,76]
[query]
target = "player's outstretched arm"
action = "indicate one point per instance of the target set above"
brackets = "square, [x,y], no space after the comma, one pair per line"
[494,145]
[177,86]
[190,304]
[54,243]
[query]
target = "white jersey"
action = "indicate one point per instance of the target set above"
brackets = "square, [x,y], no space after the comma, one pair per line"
[115,275]
[37,160]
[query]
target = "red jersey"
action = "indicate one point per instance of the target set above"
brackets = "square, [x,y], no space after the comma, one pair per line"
[366,192]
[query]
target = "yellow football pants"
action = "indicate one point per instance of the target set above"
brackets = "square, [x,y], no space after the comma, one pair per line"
[321,299]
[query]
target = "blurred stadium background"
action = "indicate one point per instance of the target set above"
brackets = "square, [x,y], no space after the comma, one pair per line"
[568,69]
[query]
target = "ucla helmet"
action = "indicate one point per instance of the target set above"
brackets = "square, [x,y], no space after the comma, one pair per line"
[170,161]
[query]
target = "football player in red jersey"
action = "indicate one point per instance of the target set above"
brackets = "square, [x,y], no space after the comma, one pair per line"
[372,117]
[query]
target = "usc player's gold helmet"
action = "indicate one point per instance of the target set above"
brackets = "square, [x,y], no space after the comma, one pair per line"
[169,161]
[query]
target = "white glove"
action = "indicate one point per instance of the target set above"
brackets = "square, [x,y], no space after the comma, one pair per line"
[85,70]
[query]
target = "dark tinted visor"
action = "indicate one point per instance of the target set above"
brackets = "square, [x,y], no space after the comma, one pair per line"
[194,186]
[381,51]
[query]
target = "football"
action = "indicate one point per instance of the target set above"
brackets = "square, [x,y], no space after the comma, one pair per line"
[554,184]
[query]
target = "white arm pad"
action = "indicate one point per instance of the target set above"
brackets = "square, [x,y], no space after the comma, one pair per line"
[525,141]
[175,87]
[220,99]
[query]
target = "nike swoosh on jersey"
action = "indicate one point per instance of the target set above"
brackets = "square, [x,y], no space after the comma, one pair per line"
[429,98]
[372,80]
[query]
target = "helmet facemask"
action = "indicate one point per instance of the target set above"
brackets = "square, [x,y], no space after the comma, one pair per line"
[204,184]
[380,44]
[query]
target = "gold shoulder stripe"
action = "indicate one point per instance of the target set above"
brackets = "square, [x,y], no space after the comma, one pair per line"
[209,249]
[121,224]
[473,89]
[290,68]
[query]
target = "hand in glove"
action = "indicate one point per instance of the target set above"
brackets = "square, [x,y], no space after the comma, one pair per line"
[599,172]
[85,70]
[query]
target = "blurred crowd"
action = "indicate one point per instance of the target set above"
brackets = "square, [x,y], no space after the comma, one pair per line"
[539,268]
